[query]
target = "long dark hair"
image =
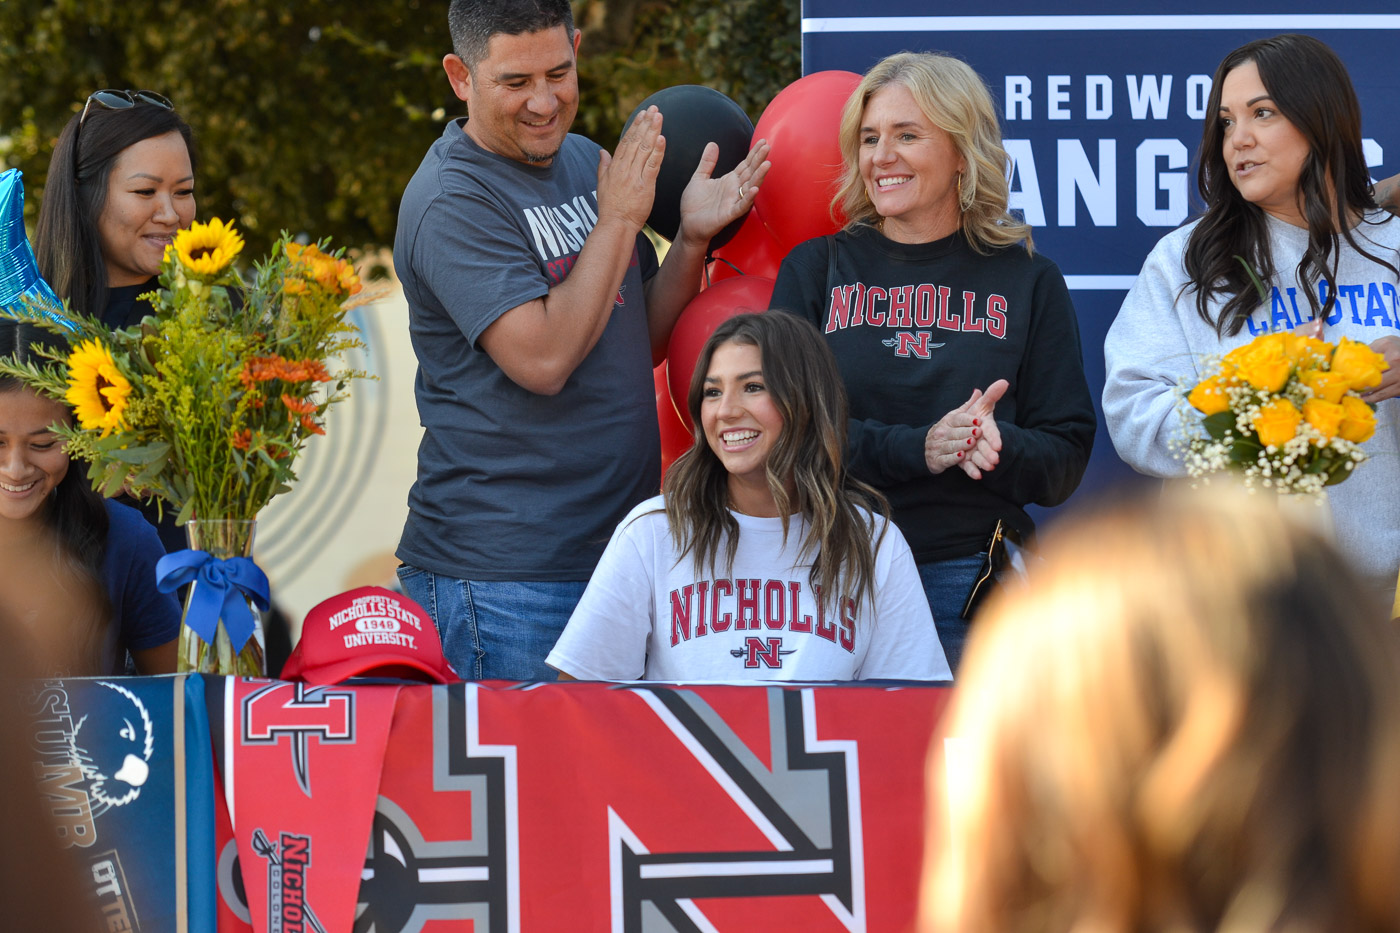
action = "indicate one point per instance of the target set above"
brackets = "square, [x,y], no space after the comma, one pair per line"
[809,457]
[76,515]
[66,242]
[1310,86]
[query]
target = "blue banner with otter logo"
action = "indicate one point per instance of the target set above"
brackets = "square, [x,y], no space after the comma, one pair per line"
[124,772]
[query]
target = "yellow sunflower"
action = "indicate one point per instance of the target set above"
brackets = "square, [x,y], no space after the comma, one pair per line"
[206,250]
[96,389]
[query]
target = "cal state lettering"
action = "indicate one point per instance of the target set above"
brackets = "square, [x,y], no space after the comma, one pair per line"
[905,307]
[1367,304]
[753,605]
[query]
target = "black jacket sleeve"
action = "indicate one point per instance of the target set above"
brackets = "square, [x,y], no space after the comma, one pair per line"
[1047,436]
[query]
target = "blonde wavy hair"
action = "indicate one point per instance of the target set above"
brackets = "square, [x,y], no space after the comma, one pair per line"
[1189,721]
[956,101]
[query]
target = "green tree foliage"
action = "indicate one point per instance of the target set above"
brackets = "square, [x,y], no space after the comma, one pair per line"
[311,115]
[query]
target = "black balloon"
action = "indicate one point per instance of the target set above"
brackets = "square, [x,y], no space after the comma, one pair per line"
[693,116]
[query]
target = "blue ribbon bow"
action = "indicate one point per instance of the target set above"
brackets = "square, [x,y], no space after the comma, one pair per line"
[222,590]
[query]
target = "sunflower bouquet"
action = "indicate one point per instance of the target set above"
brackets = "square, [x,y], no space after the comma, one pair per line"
[206,404]
[1284,411]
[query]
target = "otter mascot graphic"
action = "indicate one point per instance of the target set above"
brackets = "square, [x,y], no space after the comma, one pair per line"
[123,732]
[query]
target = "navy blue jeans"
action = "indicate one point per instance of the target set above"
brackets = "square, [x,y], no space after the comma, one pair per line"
[494,630]
[946,584]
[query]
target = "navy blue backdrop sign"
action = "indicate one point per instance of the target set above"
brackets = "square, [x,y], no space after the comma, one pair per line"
[1102,112]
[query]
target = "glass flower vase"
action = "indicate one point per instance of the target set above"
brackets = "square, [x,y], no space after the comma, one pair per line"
[222,538]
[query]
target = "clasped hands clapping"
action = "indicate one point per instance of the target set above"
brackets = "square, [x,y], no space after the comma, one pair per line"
[967,436]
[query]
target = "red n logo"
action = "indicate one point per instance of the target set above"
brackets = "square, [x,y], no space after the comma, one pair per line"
[917,344]
[762,652]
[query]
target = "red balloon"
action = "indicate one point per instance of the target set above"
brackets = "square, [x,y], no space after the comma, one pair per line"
[752,251]
[802,125]
[675,436]
[705,312]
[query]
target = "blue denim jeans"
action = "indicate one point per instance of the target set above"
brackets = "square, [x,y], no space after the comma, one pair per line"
[946,584]
[494,630]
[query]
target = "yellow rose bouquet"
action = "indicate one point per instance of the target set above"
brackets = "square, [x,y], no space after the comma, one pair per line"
[205,405]
[1284,411]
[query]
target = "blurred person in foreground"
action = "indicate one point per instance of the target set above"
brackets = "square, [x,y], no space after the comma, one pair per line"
[41,884]
[1187,721]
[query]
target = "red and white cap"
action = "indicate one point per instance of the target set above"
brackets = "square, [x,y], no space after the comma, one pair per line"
[368,632]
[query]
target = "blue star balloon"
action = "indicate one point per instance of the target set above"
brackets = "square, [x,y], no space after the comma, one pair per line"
[19,273]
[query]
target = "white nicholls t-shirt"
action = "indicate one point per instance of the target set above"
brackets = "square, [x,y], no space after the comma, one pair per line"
[646,616]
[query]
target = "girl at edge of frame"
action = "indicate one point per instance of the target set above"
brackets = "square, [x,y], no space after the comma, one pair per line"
[760,506]
[120,186]
[1188,720]
[968,399]
[96,557]
[1280,161]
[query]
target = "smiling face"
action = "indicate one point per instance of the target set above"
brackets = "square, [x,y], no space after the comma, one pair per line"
[910,168]
[150,196]
[741,423]
[32,460]
[1264,152]
[523,96]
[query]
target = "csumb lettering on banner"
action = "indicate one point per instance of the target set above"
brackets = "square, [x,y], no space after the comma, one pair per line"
[1102,112]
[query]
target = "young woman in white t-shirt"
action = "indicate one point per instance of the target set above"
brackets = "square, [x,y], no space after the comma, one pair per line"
[763,560]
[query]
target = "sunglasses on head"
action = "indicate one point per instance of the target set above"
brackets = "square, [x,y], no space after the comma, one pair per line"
[113,99]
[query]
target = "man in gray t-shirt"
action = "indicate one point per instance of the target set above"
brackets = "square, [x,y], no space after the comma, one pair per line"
[536,307]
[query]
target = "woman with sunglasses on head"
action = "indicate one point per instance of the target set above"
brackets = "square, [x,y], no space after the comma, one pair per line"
[764,559]
[120,185]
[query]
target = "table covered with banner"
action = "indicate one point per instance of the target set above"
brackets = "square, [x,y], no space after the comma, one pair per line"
[232,804]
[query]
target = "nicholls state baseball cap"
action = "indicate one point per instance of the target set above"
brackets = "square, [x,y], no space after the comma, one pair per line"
[368,632]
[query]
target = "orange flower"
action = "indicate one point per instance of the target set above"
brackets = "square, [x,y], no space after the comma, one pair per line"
[1264,365]
[1324,416]
[1358,364]
[298,405]
[312,426]
[242,439]
[1358,422]
[1209,397]
[1330,387]
[1277,422]
[260,369]
[332,274]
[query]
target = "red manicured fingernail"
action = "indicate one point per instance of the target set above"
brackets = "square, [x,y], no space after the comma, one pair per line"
[960,455]
[976,421]
[969,440]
